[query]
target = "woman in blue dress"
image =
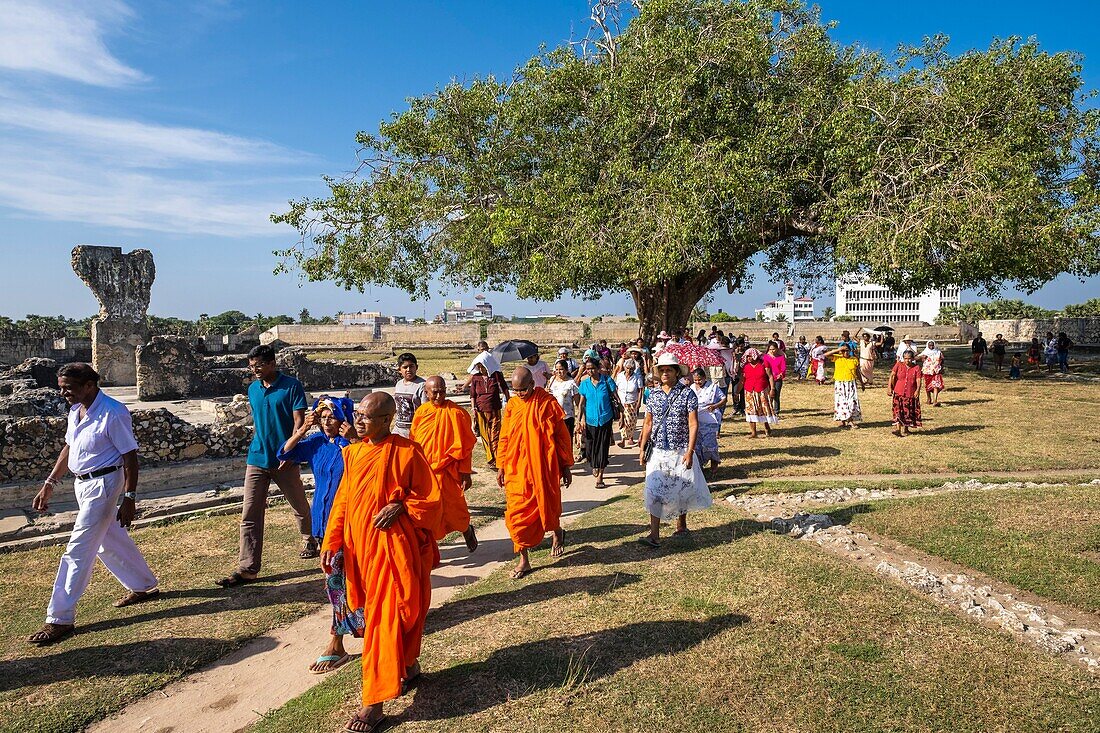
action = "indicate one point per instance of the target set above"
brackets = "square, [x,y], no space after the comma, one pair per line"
[323,451]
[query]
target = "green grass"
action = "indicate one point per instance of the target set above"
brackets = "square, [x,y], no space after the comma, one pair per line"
[987,424]
[734,629]
[119,655]
[894,482]
[1046,541]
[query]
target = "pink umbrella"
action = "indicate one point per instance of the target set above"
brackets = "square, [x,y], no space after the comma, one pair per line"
[691,355]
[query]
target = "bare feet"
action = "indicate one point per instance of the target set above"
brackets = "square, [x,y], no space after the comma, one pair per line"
[557,548]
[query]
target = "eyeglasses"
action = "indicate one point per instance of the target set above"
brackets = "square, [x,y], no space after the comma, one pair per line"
[364,417]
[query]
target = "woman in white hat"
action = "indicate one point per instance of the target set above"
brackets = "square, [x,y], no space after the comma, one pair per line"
[674,483]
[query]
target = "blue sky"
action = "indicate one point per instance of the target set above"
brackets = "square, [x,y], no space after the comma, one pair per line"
[179,126]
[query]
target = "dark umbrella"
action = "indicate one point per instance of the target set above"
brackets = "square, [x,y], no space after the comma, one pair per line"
[882,329]
[517,350]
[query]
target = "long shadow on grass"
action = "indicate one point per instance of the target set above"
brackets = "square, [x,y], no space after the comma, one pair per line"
[219,601]
[561,662]
[585,553]
[467,609]
[954,429]
[156,656]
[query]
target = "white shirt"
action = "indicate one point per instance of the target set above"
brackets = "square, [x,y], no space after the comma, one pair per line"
[564,391]
[628,387]
[540,371]
[905,347]
[101,439]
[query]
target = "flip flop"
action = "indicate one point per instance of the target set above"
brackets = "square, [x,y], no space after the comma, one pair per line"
[517,574]
[362,726]
[234,580]
[410,683]
[561,546]
[339,662]
[648,542]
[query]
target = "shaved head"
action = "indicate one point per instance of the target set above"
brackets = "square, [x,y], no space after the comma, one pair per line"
[373,418]
[523,383]
[436,390]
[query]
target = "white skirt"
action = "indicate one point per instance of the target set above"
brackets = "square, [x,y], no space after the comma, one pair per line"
[671,489]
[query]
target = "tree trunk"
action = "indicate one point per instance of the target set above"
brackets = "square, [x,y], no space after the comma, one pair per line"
[668,305]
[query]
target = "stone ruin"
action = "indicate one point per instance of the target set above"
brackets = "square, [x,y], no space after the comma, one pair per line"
[121,283]
[176,367]
[30,390]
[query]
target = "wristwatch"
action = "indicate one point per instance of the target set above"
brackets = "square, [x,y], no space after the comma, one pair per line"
[132,496]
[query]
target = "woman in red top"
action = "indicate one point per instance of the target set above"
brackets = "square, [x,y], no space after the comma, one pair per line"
[759,385]
[904,388]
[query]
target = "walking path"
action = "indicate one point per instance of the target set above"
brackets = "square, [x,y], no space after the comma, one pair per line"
[270,670]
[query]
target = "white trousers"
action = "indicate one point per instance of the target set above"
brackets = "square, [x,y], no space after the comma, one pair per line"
[97,533]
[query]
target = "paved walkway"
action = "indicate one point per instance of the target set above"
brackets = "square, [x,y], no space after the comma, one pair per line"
[270,670]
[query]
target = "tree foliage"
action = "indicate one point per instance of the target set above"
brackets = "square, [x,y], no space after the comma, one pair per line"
[993,310]
[660,158]
[1090,307]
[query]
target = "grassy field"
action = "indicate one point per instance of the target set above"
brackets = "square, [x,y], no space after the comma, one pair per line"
[118,655]
[732,629]
[986,424]
[897,482]
[1046,541]
[430,361]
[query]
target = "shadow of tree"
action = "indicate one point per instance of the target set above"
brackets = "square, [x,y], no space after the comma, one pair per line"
[632,551]
[457,612]
[560,662]
[953,429]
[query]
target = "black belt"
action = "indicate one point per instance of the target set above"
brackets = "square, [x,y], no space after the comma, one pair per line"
[97,473]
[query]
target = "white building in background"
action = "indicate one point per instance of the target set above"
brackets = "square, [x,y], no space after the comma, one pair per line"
[863,300]
[374,319]
[791,308]
[453,312]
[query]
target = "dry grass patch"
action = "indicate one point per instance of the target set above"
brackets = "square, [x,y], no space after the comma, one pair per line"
[118,655]
[987,424]
[1046,541]
[734,629]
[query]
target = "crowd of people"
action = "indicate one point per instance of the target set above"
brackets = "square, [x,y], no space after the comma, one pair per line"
[391,473]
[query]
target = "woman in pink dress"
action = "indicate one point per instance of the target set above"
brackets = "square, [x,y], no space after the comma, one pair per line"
[776,360]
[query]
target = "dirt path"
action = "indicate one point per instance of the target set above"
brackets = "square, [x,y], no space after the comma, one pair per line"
[268,671]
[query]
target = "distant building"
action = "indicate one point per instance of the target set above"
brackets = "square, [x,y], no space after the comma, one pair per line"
[791,308]
[863,300]
[373,319]
[453,312]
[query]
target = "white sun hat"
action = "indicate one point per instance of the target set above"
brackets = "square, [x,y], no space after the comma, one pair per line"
[669,359]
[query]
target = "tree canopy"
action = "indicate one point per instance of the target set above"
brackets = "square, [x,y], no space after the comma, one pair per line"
[662,157]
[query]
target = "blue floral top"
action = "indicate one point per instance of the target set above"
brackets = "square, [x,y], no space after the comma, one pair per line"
[671,433]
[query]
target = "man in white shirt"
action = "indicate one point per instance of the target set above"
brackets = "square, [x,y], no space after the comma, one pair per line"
[565,355]
[101,452]
[905,345]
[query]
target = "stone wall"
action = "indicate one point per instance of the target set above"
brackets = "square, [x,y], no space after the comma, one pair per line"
[431,335]
[174,367]
[1083,331]
[615,333]
[30,445]
[16,349]
[543,334]
[320,335]
[327,374]
[755,330]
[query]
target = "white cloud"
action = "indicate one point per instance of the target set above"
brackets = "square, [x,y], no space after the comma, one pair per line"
[133,143]
[65,39]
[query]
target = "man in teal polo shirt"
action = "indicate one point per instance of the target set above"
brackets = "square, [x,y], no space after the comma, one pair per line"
[278,409]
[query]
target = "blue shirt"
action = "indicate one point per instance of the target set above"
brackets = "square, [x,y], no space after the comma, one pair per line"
[273,417]
[101,439]
[597,400]
[325,458]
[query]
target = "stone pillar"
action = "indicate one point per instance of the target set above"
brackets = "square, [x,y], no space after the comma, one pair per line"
[121,284]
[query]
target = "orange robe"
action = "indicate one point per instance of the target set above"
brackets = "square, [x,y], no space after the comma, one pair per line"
[448,442]
[534,446]
[388,571]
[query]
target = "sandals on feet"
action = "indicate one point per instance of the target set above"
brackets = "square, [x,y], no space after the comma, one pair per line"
[645,540]
[137,596]
[334,661]
[358,725]
[233,580]
[560,549]
[309,551]
[517,573]
[50,634]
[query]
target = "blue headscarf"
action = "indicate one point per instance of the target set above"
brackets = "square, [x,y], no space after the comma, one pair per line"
[343,408]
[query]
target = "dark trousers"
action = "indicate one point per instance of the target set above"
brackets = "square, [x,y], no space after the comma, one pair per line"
[775,398]
[257,481]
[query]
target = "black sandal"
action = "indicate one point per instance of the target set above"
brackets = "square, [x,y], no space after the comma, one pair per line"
[51,634]
[233,580]
[310,551]
[358,725]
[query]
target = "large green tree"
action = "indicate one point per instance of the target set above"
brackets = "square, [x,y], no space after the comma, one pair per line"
[661,157]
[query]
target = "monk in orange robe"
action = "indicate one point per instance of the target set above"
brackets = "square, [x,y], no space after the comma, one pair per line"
[534,455]
[443,430]
[384,516]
